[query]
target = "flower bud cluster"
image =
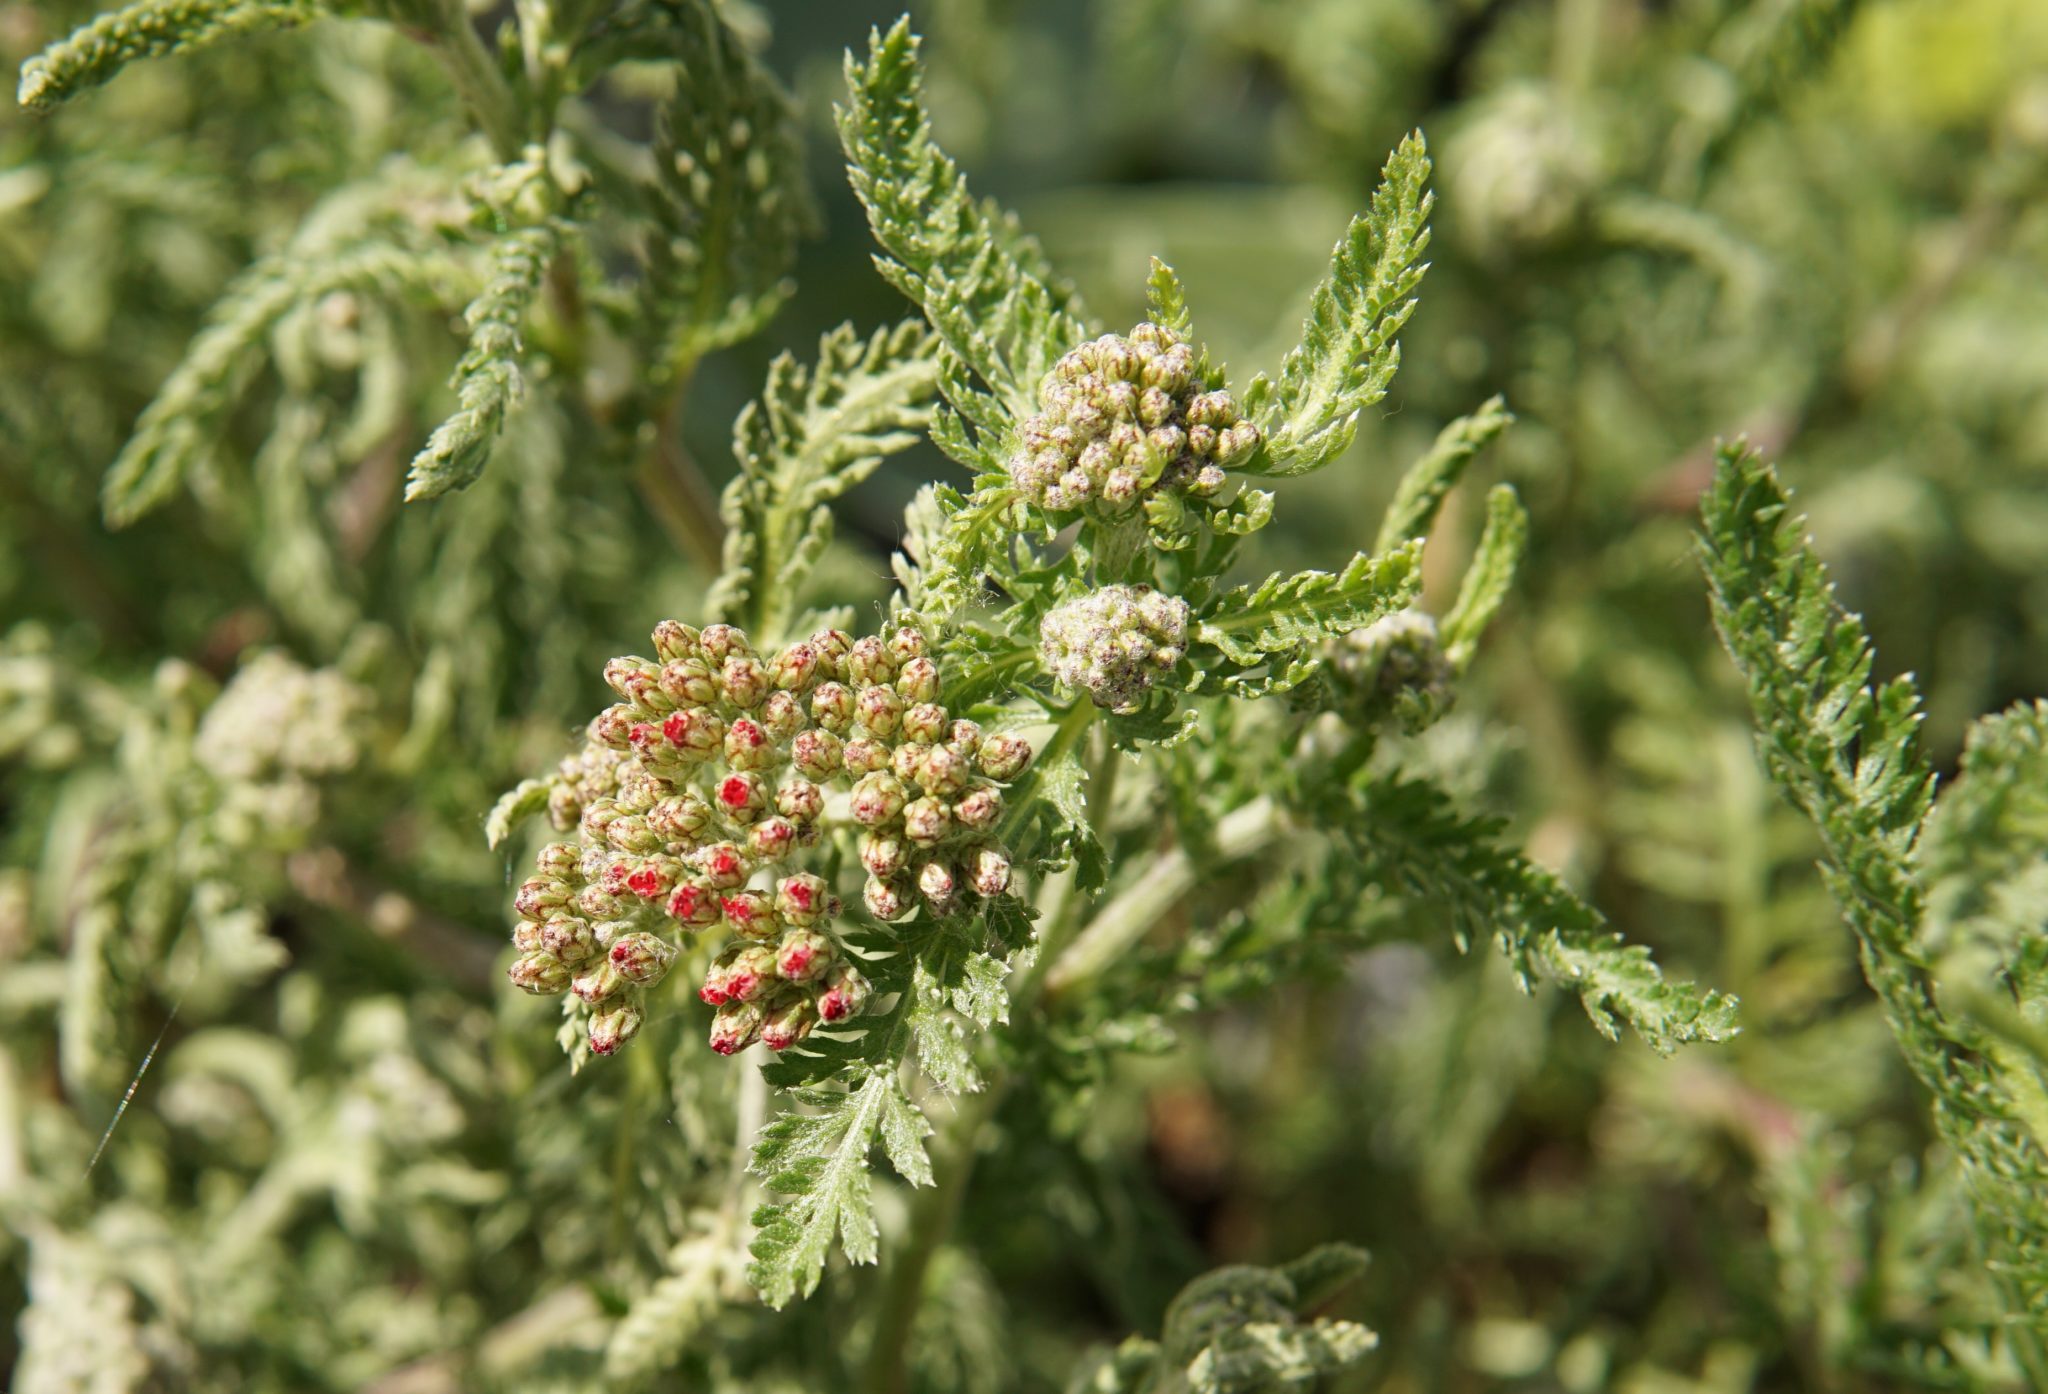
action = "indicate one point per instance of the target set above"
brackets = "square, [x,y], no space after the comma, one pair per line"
[1114,643]
[695,791]
[1395,669]
[276,719]
[1124,423]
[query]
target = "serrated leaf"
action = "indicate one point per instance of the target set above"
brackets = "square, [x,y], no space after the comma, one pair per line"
[941,1046]
[983,995]
[1489,578]
[1166,300]
[1348,354]
[821,1163]
[1268,637]
[92,55]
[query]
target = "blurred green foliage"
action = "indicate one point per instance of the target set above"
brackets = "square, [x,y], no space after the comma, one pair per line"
[355,1163]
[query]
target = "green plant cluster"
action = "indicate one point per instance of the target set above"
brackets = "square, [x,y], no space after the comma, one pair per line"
[1178,795]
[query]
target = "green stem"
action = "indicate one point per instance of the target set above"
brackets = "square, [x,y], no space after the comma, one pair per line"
[476,77]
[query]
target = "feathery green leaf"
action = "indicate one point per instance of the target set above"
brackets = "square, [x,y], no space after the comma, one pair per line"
[1268,637]
[1489,577]
[94,54]
[1430,479]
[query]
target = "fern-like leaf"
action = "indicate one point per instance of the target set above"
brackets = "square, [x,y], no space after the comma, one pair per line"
[488,381]
[1844,751]
[1429,480]
[815,433]
[984,285]
[93,55]
[1348,353]
[1489,577]
[1268,637]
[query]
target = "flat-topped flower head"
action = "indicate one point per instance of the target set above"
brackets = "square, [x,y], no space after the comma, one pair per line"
[1114,643]
[1122,419]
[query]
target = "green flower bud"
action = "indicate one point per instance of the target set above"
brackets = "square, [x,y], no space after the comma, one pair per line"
[832,707]
[1004,755]
[800,801]
[980,809]
[879,711]
[641,957]
[877,799]
[636,680]
[869,663]
[926,821]
[613,726]
[886,898]
[789,1023]
[744,682]
[905,758]
[816,754]
[557,861]
[682,818]
[937,884]
[988,872]
[782,716]
[736,1026]
[883,854]
[719,642]
[917,681]
[568,940]
[831,647]
[963,738]
[942,772]
[611,1027]
[539,973]
[629,832]
[925,722]
[863,756]
[1114,643]
[601,984]
[689,682]
[674,640]
[804,956]
[773,838]
[540,896]
[794,669]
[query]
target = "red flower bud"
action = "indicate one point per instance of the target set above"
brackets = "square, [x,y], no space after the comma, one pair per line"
[737,1026]
[772,839]
[747,746]
[803,899]
[789,1023]
[641,957]
[795,668]
[539,973]
[749,914]
[846,994]
[805,954]
[694,732]
[694,904]
[614,1026]
[742,797]
[723,865]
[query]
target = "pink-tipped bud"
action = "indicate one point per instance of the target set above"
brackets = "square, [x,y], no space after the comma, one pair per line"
[613,1026]
[634,679]
[883,854]
[641,957]
[747,745]
[644,736]
[773,838]
[803,899]
[794,669]
[926,821]
[906,644]
[886,899]
[804,955]
[557,861]
[918,680]
[595,902]
[831,647]
[980,809]
[789,1023]
[682,818]
[942,772]
[1004,755]
[600,984]
[963,738]
[744,682]
[688,682]
[718,642]
[988,872]
[695,733]
[800,801]
[694,905]
[723,865]
[879,710]
[569,940]
[845,996]
[832,707]
[863,756]
[526,936]
[736,1026]
[741,797]
[815,754]
[877,798]
[653,878]
[674,640]
[749,914]
[869,662]
[937,884]
[539,973]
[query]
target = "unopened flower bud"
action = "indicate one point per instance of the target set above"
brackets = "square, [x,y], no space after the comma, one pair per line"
[879,710]
[936,883]
[831,647]
[689,682]
[749,914]
[926,722]
[611,1027]
[1004,755]
[744,682]
[613,726]
[800,801]
[694,732]
[782,716]
[845,996]
[718,642]
[597,902]
[803,899]
[1113,643]
[682,818]
[773,838]
[742,797]
[877,798]
[568,939]
[747,746]
[804,955]
[863,756]
[815,754]
[634,679]
[652,879]
[674,640]
[694,904]
[980,808]
[794,669]
[988,872]
[556,861]
[789,1023]
[869,662]
[832,707]
[539,973]
[917,681]
[540,896]
[905,758]
[963,738]
[942,772]
[736,1026]
[630,833]
[565,807]
[723,865]
[526,936]
[926,821]
[642,957]
[883,854]
[600,984]
[886,899]
[905,644]
[739,974]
